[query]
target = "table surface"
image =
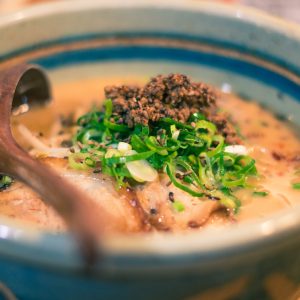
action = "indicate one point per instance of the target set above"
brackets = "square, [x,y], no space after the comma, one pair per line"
[288,9]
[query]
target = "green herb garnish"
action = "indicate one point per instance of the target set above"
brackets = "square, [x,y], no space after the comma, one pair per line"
[5,181]
[178,206]
[260,193]
[192,154]
[296,185]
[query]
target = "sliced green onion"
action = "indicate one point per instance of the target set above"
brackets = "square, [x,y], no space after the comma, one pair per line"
[115,127]
[127,158]
[206,125]
[192,149]
[188,168]
[108,108]
[229,159]
[141,170]
[260,193]
[112,153]
[178,206]
[174,132]
[152,143]
[205,138]
[181,186]
[220,146]
[90,135]
[196,117]
[230,202]
[229,181]
[207,174]
[137,143]
[176,123]
[5,181]
[77,161]
[124,147]
[172,145]
[90,162]
[296,185]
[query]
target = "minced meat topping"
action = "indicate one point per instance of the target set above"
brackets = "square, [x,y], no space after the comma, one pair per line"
[174,96]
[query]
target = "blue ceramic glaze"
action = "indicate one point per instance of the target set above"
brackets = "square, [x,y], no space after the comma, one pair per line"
[257,55]
[153,53]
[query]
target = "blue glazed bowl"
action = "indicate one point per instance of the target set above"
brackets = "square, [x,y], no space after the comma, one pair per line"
[257,55]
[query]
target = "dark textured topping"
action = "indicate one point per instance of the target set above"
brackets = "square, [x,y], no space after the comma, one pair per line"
[173,96]
[224,126]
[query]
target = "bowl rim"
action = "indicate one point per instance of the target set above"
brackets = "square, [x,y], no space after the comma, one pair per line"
[246,235]
[235,11]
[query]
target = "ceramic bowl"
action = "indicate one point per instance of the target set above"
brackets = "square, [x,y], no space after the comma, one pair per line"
[248,52]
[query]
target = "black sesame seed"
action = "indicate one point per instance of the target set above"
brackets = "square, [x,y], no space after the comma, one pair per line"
[171,197]
[179,176]
[153,211]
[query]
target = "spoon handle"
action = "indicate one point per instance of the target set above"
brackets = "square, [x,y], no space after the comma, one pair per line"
[77,210]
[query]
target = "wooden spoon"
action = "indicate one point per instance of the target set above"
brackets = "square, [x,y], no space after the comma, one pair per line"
[30,82]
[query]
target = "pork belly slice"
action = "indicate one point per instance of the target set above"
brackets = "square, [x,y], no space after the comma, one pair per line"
[119,208]
[145,207]
[155,200]
[19,202]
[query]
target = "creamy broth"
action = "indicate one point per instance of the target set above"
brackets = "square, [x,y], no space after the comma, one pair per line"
[270,141]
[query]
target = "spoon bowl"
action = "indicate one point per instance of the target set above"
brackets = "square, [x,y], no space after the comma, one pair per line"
[33,88]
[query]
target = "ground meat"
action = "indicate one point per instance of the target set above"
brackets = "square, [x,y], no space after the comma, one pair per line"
[174,96]
[225,127]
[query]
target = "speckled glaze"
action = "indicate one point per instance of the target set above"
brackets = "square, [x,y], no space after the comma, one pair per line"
[257,56]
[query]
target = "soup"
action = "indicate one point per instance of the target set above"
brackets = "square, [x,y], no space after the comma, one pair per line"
[145,196]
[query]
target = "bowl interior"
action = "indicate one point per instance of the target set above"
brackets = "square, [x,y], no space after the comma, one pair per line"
[236,49]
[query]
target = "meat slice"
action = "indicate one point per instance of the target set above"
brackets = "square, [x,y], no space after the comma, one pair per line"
[143,208]
[155,200]
[119,209]
[20,203]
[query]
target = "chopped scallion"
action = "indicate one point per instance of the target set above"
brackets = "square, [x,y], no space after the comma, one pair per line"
[260,193]
[178,206]
[192,154]
[296,185]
